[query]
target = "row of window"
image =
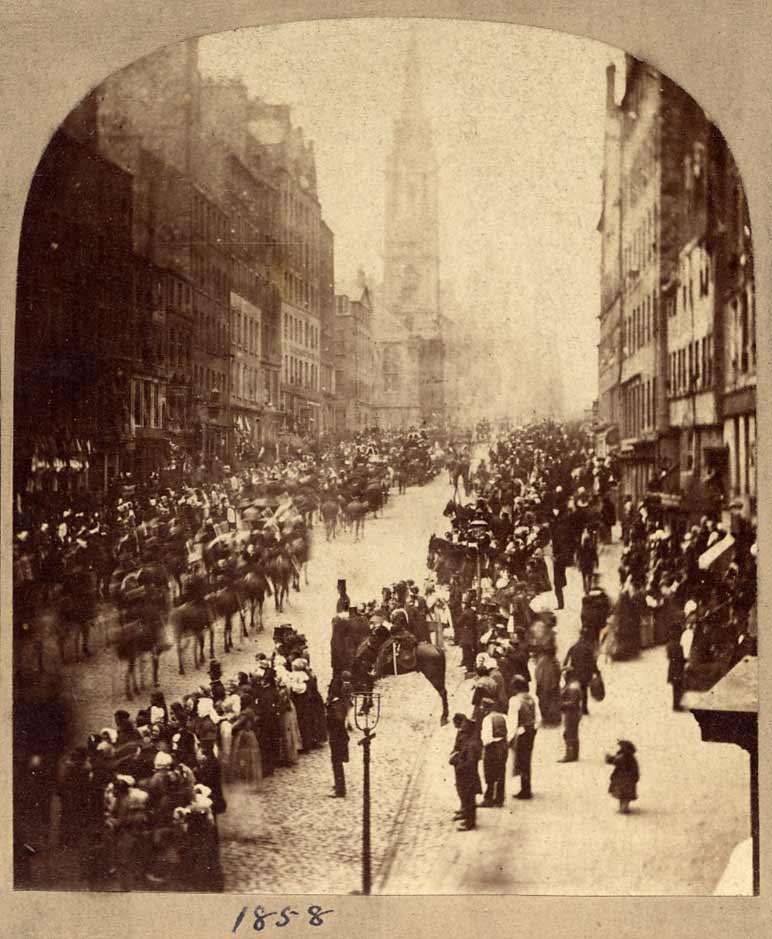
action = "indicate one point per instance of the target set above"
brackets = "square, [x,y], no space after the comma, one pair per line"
[214,335]
[686,296]
[742,337]
[297,212]
[390,365]
[690,369]
[208,221]
[300,292]
[148,404]
[213,278]
[206,380]
[246,328]
[641,248]
[639,407]
[246,382]
[301,372]
[640,325]
[177,294]
[300,331]
[178,347]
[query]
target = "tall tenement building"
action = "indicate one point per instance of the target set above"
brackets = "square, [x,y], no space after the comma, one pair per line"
[677,296]
[191,282]
[355,356]
[411,284]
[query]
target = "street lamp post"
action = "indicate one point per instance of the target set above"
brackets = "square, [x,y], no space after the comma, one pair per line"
[367,712]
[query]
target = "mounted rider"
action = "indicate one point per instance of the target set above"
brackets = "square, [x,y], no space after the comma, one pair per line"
[397,655]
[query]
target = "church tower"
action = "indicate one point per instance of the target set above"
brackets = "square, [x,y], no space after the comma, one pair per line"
[411,242]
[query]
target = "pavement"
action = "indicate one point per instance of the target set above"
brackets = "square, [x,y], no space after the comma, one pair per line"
[692,808]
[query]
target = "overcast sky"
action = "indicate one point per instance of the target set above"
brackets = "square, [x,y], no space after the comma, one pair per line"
[518,123]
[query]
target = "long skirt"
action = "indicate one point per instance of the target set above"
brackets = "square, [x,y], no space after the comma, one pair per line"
[623,787]
[291,742]
[246,764]
[226,743]
[549,706]
[304,707]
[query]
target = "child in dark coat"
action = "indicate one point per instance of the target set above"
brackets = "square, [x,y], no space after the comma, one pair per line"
[624,778]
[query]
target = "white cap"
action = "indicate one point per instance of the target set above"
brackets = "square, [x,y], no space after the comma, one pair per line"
[162,760]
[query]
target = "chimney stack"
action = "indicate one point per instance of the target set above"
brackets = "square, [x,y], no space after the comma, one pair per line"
[611,71]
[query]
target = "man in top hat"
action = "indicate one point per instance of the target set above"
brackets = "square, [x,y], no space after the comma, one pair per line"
[338,702]
[343,605]
[468,636]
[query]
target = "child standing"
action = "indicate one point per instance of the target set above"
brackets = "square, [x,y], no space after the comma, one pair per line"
[625,775]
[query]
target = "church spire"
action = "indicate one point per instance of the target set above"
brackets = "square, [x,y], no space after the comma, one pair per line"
[413,123]
[412,99]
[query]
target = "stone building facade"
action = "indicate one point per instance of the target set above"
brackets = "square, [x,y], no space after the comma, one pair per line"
[355,357]
[681,389]
[77,340]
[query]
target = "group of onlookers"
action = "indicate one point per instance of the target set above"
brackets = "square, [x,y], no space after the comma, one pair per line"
[140,800]
[692,588]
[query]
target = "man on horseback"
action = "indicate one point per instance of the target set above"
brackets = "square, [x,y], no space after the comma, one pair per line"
[397,655]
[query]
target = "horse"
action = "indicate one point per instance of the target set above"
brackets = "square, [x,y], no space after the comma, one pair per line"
[459,471]
[429,661]
[191,618]
[254,586]
[330,511]
[355,512]
[226,602]
[76,607]
[299,553]
[458,511]
[373,496]
[279,569]
[140,633]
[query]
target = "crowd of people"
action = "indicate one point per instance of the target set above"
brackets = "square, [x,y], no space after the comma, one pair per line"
[140,800]
[171,564]
[67,547]
[692,588]
[142,797]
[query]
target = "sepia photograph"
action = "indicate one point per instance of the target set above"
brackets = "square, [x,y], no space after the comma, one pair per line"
[384,498]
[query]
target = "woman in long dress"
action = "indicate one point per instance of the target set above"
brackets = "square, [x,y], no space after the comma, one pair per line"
[291,742]
[230,709]
[548,686]
[246,764]
[299,682]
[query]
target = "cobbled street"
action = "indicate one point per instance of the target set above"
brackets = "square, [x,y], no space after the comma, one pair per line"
[290,837]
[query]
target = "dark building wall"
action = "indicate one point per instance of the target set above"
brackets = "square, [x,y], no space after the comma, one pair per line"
[74,329]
